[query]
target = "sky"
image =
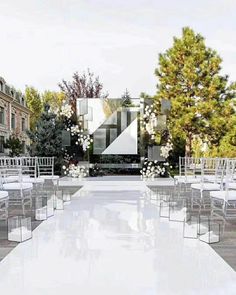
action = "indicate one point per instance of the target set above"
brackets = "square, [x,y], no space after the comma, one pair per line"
[45,41]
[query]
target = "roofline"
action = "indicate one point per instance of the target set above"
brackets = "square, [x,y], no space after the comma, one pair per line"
[15,102]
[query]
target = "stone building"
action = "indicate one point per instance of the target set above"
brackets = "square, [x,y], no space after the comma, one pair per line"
[14,115]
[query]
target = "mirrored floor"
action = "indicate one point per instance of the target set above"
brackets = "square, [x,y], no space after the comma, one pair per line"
[113,242]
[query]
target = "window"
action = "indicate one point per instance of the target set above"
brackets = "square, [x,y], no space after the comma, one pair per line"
[23,124]
[1,144]
[13,121]
[2,116]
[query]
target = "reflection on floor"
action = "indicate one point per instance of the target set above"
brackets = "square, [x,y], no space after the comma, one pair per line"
[113,242]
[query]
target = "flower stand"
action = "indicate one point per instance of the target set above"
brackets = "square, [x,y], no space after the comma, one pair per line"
[209,229]
[178,209]
[40,208]
[190,226]
[165,207]
[19,228]
[59,200]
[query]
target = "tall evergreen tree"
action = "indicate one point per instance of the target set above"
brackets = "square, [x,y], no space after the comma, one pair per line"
[46,139]
[189,76]
[126,99]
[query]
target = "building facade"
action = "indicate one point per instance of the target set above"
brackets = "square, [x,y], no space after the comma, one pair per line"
[14,115]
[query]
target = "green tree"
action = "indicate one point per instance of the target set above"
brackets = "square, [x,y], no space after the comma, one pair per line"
[54,99]
[46,139]
[126,99]
[34,103]
[227,146]
[14,145]
[189,76]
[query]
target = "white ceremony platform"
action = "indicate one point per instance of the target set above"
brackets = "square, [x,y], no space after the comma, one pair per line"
[110,240]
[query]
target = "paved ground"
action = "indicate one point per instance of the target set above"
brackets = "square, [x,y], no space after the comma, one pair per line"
[7,246]
[226,248]
[113,242]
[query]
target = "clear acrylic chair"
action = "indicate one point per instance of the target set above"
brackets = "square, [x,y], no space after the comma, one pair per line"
[189,168]
[224,200]
[45,167]
[19,193]
[41,198]
[212,175]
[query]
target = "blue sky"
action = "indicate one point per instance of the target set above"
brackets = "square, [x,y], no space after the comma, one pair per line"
[45,41]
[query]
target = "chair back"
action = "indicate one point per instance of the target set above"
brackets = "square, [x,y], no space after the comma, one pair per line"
[29,166]
[45,166]
[230,172]
[213,170]
[13,162]
[189,166]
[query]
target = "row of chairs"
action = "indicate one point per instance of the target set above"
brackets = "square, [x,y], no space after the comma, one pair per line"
[31,166]
[22,178]
[211,181]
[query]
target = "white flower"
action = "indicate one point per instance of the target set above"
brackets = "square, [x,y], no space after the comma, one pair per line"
[77,171]
[66,110]
[165,150]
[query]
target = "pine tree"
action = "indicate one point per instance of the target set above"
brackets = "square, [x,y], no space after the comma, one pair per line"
[46,139]
[189,76]
[126,99]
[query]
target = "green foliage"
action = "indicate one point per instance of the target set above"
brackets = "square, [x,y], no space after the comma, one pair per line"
[34,103]
[46,139]
[54,99]
[14,145]
[82,85]
[189,76]
[178,150]
[227,147]
[126,99]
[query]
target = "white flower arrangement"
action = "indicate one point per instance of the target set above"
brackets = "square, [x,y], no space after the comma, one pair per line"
[82,139]
[149,120]
[75,171]
[85,141]
[165,150]
[66,111]
[152,169]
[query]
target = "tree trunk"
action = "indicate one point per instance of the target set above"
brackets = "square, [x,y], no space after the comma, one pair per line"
[188,145]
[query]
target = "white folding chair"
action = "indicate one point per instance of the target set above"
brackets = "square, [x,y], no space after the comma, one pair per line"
[224,200]
[29,171]
[188,173]
[46,171]
[212,176]
[46,168]
[19,192]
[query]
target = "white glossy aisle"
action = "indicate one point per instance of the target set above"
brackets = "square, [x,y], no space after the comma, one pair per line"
[113,243]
